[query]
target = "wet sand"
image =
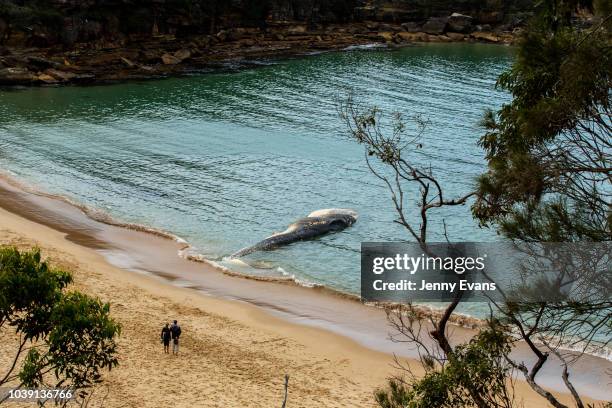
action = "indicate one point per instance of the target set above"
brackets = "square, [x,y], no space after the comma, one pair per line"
[335,349]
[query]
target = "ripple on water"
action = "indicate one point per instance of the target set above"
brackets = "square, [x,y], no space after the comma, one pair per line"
[224,160]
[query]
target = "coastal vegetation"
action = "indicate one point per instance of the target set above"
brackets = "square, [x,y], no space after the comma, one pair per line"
[63,338]
[548,180]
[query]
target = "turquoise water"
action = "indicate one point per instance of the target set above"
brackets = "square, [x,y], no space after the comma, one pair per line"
[224,160]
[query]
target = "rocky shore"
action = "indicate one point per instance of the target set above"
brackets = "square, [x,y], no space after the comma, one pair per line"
[97,41]
[164,55]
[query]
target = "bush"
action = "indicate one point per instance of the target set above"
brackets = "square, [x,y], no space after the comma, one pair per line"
[70,335]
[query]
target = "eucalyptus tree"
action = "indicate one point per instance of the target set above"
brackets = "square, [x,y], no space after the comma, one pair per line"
[548,180]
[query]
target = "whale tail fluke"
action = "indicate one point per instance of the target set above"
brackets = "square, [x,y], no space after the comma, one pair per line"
[248,250]
[242,252]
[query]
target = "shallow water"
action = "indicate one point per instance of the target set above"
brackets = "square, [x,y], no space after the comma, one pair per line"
[224,160]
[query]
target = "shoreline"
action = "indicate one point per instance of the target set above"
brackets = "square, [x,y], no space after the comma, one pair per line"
[165,56]
[458,319]
[235,354]
[307,308]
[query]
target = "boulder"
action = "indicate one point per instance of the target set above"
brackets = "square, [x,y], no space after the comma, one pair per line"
[60,75]
[16,76]
[248,31]
[169,59]
[460,23]
[355,29]
[183,54]
[105,59]
[47,79]
[38,63]
[203,42]
[248,42]
[503,28]
[437,38]
[405,36]
[127,62]
[149,55]
[82,78]
[484,36]
[411,27]
[456,36]
[483,27]
[223,35]
[388,27]
[13,60]
[297,29]
[387,36]
[436,25]
[402,36]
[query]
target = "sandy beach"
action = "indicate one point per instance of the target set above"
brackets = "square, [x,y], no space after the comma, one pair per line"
[234,352]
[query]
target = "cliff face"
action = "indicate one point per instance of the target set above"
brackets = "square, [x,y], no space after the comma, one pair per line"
[52,42]
[70,21]
[45,23]
[483,11]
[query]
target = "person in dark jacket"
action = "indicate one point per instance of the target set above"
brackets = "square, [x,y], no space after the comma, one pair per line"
[166,334]
[175,329]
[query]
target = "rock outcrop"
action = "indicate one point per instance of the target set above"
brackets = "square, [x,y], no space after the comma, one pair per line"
[108,23]
[435,25]
[80,41]
[460,23]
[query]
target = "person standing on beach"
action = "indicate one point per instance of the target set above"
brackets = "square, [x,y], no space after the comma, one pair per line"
[176,333]
[166,334]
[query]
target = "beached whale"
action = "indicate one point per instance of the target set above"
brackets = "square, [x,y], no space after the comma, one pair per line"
[316,224]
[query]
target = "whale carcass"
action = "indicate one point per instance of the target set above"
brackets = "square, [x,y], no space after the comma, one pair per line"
[316,224]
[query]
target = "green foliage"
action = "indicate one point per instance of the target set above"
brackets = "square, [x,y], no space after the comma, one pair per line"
[603,8]
[549,149]
[31,372]
[28,14]
[554,221]
[79,344]
[475,374]
[549,153]
[29,290]
[72,335]
[548,180]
